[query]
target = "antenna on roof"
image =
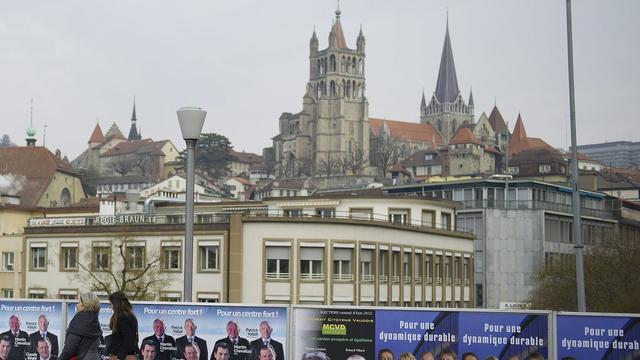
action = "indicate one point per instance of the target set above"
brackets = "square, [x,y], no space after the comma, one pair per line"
[44,135]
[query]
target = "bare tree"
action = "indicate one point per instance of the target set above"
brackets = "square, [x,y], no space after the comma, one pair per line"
[386,152]
[357,161]
[122,166]
[142,162]
[122,268]
[303,167]
[328,165]
[343,165]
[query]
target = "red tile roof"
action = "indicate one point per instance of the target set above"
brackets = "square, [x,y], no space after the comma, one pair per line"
[464,136]
[36,165]
[139,146]
[520,142]
[96,135]
[342,44]
[407,131]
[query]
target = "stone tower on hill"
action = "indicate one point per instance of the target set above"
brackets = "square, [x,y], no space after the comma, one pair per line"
[333,125]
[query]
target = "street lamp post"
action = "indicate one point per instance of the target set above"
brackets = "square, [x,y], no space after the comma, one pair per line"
[191,120]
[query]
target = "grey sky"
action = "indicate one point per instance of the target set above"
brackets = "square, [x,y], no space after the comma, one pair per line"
[246,61]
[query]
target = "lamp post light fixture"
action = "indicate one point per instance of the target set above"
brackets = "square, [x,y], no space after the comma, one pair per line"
[191,120]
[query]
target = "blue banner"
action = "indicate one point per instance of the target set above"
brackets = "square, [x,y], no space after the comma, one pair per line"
[211,324]
[596,337]
[30,319]
[352,333]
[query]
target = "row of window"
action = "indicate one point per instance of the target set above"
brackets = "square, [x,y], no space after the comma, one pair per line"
[72,294]
[388,266]
[134,257]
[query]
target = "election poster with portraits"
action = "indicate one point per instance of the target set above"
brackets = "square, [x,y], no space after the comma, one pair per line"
[597,336]
[208,323]
[28,322]
[356,333]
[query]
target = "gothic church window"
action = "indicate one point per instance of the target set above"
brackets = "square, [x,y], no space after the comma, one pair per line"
[332,62]
[332,86]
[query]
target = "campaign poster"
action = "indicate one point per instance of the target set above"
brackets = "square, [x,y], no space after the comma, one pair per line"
[505,335]
[30,318]
[334,334]
[596,337]
[210,321]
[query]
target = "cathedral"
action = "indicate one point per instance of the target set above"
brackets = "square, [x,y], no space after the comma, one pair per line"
[333,134]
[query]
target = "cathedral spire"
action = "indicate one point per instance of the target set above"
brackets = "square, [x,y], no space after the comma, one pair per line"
[133,132]
[337,33]
[447,86]
[470,103]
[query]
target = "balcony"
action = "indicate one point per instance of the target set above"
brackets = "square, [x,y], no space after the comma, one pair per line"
[367,278]
[277,276]
[345,216]
[343,277]
[307,276]
[535,204]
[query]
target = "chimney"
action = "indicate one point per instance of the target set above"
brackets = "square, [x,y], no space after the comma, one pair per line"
[58,154]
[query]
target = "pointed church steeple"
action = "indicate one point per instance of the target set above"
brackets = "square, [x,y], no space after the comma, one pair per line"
[360,43]
[133,132]
[313,43]
[423,102]
[471,98]
[336,36]
[447,86]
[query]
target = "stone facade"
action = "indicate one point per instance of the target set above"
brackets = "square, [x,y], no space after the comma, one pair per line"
[333,124]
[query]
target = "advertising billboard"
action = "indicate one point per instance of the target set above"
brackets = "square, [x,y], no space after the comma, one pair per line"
[31,320]
[596,337]
[356,333]
[210,326]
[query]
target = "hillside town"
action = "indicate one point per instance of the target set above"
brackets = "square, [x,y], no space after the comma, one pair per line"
[461,209]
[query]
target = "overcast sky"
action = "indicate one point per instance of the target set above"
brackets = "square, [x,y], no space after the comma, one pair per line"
[246,62]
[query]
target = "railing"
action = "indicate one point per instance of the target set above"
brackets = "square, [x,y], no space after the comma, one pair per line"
[407,279]
[534,204]
[344,277]
[395,279]
[283,276]
[467,281]
[384,278]
[365,217]
[428,280]
[367,278]
[307,276]
[417,279]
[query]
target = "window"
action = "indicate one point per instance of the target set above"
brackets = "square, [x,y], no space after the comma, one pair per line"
[366,267]
[311,259]
[544,168]
[8,261]
[68,294]
[293,212]
[406,271]
[428,277]
[38,258]
[417,275]
[438,269]
[342,264]
[7,293]
[208,257]
[171,256]
[278,262]
[170,296]
[395,266]
[37,294]
[465,271]
[428,218]
[134,257]
[447,269]
[399,216]
[360,214]
[69,257]
[514,170]
[208,298]
[456,270]
[383,267]
[326,213]
[445,221]
[101,257]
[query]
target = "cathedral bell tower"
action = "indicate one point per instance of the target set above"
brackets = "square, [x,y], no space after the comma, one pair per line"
[335,100]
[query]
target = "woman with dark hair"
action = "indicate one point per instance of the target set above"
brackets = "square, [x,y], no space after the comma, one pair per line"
[84,333]
[124,329]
